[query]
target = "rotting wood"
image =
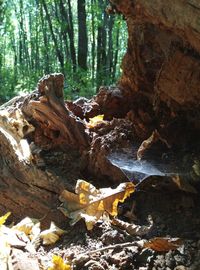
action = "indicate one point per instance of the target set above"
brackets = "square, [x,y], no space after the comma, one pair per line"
[42,152]
[31,179]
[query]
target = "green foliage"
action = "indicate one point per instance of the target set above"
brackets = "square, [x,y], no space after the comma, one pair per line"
[79,84]
[28,50]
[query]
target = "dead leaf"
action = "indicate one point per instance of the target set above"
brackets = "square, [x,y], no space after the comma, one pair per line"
[51,235]
[13,237]
[163,244]
[31,228]
[90,203]
[93,122]
[26,225]
[4,218]
[58,264]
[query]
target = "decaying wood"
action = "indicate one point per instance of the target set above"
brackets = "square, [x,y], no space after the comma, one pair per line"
[36,133]
[52,115]
[45,143]
[162,65]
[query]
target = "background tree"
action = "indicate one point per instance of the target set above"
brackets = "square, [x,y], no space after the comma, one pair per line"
[75,37]
[82,35]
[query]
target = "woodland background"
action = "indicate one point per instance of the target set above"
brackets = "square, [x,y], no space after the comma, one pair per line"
[75,37]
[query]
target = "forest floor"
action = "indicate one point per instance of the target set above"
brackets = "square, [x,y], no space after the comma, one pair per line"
[158,226]
[175,215]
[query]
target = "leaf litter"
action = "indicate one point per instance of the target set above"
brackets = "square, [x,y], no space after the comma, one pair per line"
[90,204]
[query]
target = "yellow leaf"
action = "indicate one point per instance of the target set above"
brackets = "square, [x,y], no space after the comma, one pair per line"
[26,225]
[163,244]
[4,218]
[93,122]
[58,264]
[91,203]
[51,235]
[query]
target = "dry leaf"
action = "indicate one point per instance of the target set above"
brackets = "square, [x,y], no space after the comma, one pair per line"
[51,235]
[91,203]
[4,218]
[58,264]
[31,228]
[14,237]
[26,225]
[163,244]
[93,122]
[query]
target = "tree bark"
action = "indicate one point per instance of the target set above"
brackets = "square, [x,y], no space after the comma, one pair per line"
[82,35]
[161,66]
[35,132]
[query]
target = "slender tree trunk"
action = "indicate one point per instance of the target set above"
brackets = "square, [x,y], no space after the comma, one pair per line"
[101,45]
[59,22]
[93,40]
[58,52]
[65,31]
[68,29]
[115,60]
[37,51]
[32,42]
[82,35]
[24,44]
[99,65]
[109,59]
[45,40]
[21,36]
[1,12]
[71,36]
[104,39]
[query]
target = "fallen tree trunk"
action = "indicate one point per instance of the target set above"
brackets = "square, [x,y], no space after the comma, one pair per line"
[46,144]
[36,134]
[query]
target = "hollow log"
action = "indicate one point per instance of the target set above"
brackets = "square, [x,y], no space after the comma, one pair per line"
[45,142]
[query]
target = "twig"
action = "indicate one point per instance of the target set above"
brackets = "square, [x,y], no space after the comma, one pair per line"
[127,244]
